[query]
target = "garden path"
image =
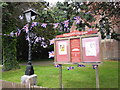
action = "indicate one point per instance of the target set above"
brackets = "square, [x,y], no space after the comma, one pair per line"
[41,63]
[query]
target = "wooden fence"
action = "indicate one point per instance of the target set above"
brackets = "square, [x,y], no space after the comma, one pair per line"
[5,85]
[110,49]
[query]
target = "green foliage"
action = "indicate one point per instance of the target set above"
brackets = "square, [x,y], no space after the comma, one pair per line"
[9,54]
[68,10]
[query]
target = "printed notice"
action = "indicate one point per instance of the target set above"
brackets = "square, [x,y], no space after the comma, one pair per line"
[62,48]
[90,48]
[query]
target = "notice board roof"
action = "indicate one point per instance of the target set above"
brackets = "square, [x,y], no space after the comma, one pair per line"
[77,33]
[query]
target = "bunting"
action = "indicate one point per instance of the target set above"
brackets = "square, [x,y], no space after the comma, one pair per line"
[70,68]
[44,25]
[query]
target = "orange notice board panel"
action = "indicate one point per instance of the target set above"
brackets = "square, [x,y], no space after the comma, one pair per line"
[75,50]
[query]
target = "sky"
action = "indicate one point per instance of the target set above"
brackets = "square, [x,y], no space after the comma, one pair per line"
[54,1]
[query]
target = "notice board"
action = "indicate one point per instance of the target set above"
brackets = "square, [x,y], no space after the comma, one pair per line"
[79,49]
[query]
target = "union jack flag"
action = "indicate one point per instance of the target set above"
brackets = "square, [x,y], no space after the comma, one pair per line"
[44,25]
[51,41]
[34,24]
[55,25]
[77,18]
[51,54]
[66,23]
[25,28]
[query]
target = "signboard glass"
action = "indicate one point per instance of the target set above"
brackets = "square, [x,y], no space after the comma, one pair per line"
[62,51]
[90,49]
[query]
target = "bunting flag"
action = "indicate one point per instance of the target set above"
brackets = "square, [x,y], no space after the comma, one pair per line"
[69,68]
[27,38]
[12,34]
[18,32]
[80,65]
[94,66]
[77,18]
[57,65]
[51,54]
[51,41]
[34,24]
[37,39]
[44,25]
[55,25]
[66,23]
[25,28]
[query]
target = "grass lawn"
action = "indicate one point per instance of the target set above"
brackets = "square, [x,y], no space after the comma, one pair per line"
[79,77]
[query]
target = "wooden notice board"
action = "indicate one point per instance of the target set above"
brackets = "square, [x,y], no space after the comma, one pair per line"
[79,49]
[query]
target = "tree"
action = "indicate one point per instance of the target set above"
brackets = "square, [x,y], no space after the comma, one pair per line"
[11,22]
[69,10]
[109,21]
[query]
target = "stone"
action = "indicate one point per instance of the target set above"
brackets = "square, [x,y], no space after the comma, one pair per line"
[29,79]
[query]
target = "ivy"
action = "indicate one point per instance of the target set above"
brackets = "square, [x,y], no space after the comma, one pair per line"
[9,54]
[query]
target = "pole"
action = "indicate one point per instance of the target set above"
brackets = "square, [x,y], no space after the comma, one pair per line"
[97,77]
[29,68]
[60,75]
[29,44]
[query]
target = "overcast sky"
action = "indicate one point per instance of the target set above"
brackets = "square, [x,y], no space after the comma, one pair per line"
[54,1]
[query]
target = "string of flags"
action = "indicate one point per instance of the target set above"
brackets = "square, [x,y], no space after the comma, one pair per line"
[44,25]
[79,65]
[70,68]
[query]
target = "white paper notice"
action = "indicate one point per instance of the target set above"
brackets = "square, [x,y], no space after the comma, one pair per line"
[62,48]
[90,49]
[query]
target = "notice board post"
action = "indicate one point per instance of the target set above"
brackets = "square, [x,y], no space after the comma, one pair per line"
[97,77]
[60,75]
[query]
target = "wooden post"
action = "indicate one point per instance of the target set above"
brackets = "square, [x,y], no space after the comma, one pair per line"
[60,75]
[97,77]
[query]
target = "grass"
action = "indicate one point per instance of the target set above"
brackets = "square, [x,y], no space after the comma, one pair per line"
[79,77]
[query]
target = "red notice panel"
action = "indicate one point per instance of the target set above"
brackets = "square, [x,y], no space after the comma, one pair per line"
[62,51]
[91,49]
[75,50]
